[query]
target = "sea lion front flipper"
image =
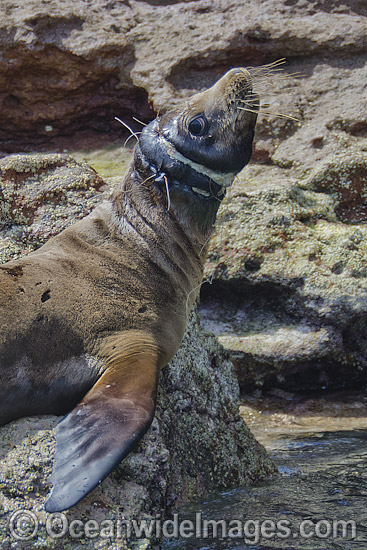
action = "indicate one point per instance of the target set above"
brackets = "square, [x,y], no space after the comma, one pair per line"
[95,436]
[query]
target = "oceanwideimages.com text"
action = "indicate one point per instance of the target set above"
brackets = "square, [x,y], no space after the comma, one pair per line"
[25,525]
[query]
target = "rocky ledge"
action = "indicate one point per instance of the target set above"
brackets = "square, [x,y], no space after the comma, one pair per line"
[71,65]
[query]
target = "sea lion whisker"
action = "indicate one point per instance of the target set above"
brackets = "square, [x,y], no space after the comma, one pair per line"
[139,121]
[261,107]
[279,115]
[128,127]
[148,178]
[139,184]
[193,290]
[211,191]
[261,76]
[275,82]
[277,62]
[208,279]
[249,100]
[285,76]
[269,66]
[267,73]
[248,110]
[132,135]
[160,109]
[202,249]
[168,195]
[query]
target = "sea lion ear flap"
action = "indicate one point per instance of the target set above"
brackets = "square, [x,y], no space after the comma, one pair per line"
[104,427]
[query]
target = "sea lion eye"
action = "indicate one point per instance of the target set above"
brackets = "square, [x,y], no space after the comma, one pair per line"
[198,126]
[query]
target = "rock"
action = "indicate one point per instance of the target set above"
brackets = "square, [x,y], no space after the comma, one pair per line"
[71,65]
[288,267]
[197,443]
[343,177]
[39,195]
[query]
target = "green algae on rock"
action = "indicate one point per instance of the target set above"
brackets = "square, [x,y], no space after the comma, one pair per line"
[197,442]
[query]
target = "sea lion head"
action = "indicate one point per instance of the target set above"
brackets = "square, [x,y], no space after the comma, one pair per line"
[193,153]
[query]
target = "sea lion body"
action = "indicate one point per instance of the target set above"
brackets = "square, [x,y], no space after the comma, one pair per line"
[72,293]
[89,319]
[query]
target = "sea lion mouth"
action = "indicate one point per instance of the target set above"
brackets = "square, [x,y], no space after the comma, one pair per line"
[168,167]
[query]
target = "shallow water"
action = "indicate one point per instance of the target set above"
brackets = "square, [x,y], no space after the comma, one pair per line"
[320,447]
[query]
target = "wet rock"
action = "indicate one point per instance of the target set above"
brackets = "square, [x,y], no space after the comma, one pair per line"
[288,267]
[197,443]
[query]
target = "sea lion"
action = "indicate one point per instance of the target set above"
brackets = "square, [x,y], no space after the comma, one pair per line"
[89,319]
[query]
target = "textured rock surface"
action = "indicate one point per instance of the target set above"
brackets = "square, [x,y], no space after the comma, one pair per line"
[288,267]
[197,443]
[39,195]
[68,65]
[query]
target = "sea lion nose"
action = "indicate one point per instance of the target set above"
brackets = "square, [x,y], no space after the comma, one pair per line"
[240,72]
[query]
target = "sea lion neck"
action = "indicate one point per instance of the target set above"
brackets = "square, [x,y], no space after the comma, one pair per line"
[153,207]
[186,159]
